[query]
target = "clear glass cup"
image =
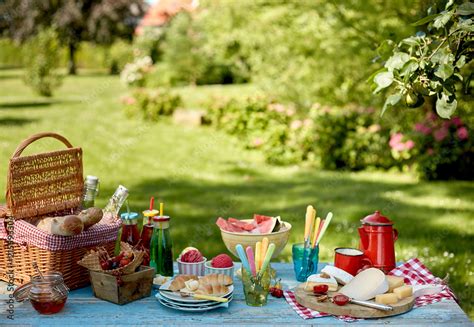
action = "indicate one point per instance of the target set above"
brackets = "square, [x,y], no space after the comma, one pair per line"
[256,288]
[310,265]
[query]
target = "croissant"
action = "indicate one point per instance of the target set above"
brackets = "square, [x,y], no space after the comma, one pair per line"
[178,282]
[208,289]
[216,279]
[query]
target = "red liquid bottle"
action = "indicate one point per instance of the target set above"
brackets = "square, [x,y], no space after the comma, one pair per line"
[130,233]
[147,233]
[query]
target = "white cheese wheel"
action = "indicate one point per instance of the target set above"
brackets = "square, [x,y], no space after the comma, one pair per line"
[342,276]
[366,285]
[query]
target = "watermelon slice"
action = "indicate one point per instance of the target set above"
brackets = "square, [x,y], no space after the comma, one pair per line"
[266,226]
[260,218]
[241,224]
[224,225]
[260,225]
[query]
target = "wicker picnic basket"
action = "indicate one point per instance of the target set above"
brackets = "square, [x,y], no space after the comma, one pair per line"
[40,185]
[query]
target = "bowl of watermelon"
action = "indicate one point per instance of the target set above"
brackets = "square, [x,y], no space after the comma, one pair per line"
[250,231]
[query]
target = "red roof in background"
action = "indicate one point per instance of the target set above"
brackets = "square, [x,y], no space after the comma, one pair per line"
[160,12]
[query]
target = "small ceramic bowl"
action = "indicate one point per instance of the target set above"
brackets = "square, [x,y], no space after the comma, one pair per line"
[191,268]
[211,270]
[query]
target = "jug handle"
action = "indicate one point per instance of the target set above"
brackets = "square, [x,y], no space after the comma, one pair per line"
[395,234]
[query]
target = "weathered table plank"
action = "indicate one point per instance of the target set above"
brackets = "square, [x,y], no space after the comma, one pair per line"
[84,309]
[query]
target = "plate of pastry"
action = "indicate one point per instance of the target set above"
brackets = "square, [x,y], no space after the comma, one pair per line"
[192,307]
[183,288]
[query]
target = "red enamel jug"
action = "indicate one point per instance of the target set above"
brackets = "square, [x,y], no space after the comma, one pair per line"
[377,240]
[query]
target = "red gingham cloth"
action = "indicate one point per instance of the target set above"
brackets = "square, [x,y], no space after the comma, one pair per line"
[25,234]
[414,272]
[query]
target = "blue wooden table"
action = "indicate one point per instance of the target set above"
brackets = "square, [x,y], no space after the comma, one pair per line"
[82,308]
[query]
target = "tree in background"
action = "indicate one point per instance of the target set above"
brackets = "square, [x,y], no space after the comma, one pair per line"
[99,21]
[41,72]
[434,64]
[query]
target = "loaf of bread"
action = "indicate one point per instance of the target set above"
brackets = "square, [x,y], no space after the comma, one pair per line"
[64,226]
[90,217]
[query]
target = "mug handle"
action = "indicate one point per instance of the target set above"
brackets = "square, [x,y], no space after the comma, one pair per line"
[395,234]
[368,264]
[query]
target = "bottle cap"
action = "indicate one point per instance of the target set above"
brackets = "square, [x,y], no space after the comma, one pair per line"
[161,218]
[128,216]
[150,213]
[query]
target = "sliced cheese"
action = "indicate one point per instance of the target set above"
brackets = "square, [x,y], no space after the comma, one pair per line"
[388,298]
[342,276]
[316,279]
[394,282]
[366,285]
[403,291]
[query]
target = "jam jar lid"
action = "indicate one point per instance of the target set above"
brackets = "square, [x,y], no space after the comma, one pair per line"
[161,218]
[129,217]
[376,219]
[22,292]
[150,213]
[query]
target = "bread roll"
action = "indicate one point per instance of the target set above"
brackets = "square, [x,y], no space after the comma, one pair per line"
[216,279]
[90,216]
[64,226]
[209,289]
[178,282]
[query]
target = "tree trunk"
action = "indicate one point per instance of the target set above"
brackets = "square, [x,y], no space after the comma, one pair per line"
[72,58]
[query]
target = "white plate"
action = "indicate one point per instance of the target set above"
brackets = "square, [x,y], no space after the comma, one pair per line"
[176,297]
[197,309]
[190,305]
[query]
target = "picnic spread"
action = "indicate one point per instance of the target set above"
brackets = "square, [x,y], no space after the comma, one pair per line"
[55,242]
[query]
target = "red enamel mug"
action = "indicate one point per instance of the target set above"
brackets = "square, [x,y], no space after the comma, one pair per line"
[351,260]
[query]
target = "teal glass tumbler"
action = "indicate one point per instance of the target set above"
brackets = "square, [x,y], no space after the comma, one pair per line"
[307,261]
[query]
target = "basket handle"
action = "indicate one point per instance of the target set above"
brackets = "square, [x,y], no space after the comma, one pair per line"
[22,146]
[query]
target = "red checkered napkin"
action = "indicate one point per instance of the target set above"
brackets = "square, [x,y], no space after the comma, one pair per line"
[414,272]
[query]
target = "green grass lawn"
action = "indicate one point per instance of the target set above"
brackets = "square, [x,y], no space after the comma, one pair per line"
[201,174]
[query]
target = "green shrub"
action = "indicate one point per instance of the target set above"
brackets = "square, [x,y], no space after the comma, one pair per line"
[10,54]
[351,137]
[151,104]
[41,55]
[335,138]
[119,54]
[147,44]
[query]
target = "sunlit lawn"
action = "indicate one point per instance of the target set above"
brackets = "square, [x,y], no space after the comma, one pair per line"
[201,174]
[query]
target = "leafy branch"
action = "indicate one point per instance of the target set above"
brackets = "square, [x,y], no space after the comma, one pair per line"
[429,64]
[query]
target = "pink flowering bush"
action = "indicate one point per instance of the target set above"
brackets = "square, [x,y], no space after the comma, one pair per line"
[151,104]
[442,149]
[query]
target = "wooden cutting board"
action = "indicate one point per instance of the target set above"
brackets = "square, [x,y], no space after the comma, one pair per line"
[350,309]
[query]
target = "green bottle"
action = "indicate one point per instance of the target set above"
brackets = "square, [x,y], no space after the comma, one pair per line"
[161,254]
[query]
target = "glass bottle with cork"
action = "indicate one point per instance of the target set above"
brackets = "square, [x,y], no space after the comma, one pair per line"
[117,200]
[90,191]
[161,254]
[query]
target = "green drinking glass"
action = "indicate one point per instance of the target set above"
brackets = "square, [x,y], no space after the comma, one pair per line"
[256,288]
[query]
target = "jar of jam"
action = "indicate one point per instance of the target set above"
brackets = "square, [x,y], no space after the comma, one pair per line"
[130,233]
[147,233]
[47,294]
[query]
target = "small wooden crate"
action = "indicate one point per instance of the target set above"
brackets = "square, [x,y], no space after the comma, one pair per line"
[135,286]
